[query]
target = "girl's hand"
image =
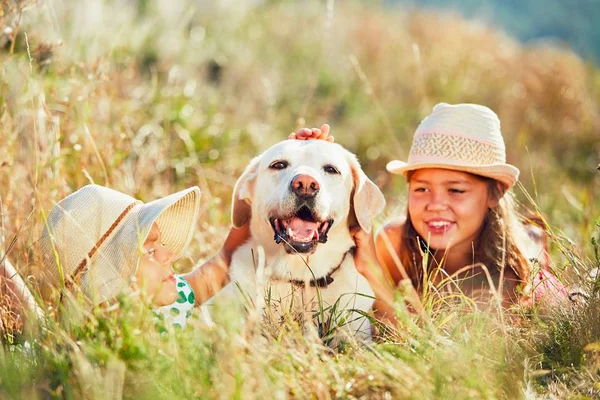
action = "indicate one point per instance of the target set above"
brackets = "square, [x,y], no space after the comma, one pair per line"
[314,133]
[365,256]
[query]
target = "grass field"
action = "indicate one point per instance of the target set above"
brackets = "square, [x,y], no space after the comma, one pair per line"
[149,97]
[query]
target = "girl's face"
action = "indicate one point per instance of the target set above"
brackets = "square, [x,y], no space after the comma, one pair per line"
[155,271]
[447,208]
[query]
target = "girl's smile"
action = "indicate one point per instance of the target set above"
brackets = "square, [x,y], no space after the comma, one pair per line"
[448,209]
[438,226]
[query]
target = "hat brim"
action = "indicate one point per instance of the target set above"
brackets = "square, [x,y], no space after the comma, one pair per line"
[176,217]
[504,173]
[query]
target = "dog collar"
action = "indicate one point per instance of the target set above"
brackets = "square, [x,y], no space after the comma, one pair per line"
[323,281]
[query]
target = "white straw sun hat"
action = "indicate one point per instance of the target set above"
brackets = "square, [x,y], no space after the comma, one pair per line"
[93,238]
[463,137]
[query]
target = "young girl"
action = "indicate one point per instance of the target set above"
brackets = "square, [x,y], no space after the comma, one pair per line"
[461,220]
[98,243]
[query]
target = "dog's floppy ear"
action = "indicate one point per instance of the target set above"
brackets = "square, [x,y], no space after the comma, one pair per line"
[241,210]
[367,200]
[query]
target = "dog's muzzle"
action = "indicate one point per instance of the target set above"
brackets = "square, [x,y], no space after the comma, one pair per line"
[301,232]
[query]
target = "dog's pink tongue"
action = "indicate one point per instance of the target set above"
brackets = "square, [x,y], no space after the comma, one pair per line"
[302,230]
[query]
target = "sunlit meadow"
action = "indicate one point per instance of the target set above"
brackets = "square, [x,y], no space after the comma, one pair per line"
[149,97]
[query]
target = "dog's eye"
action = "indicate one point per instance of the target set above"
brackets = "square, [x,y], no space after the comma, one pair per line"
[330,169]
[279,165]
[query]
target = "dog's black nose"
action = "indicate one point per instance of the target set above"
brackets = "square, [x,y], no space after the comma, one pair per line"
[305,186]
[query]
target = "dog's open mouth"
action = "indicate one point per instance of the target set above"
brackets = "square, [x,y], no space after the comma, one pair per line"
[302,232]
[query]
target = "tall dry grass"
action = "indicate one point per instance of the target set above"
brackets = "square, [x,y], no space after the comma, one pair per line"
[149,97]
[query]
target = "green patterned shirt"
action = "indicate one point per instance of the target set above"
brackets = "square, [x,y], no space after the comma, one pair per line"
[177,313]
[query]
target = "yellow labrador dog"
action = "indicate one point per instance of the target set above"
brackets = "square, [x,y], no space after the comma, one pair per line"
[300,198]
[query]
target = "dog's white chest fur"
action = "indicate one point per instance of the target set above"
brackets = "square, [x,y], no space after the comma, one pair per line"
[336,305]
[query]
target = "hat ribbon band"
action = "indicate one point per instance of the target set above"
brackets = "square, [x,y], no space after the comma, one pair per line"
[80,268]
[455,148]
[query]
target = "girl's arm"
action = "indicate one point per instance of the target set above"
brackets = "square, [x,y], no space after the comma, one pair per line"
[213,275]
[15,295]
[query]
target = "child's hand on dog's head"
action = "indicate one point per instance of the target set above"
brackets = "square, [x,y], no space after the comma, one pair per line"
[314,133]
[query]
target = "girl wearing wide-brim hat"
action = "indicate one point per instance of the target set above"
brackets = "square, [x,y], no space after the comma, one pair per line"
[461,220]
[98,243]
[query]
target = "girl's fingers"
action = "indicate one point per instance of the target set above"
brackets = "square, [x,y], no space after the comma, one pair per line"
[314,133]
[358,235]
[302,134]
[322,133]
[325,133]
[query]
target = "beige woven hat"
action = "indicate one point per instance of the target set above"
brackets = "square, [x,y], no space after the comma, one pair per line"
[463,137]
[93,238]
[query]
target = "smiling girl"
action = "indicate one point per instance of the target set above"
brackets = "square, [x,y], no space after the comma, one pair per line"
[461,220]
[456,223]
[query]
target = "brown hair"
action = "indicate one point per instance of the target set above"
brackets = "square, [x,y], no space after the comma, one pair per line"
[496,246]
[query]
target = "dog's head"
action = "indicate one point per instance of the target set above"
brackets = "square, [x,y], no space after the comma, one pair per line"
[302,190]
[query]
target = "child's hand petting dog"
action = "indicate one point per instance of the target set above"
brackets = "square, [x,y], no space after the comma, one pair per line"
[314,133]
[364,255]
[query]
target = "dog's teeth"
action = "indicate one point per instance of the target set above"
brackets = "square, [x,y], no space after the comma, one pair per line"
[290,232]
